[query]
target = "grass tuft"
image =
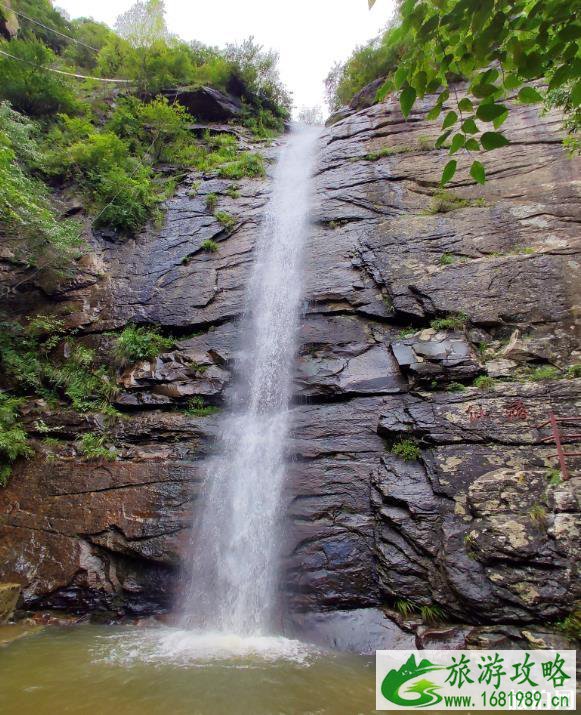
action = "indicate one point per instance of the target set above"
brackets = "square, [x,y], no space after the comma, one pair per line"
[407,450]
[451,322]
[209,245]
[137,342]
[93,446]
[484,382]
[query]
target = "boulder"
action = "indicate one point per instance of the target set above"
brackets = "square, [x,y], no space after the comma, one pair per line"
[367,96]
[361,630]
[206,103]
[9,595]
[338,115]
[436,355]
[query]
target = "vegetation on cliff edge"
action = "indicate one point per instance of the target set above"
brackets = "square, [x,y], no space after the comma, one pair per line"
[504,49]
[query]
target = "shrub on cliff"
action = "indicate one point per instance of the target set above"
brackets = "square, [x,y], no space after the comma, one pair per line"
[119,185]
[32,228]
[27,86]
[13,436]
[137,342]
[377,58]
[30,362]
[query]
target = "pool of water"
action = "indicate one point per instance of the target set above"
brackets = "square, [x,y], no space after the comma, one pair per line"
[125,670]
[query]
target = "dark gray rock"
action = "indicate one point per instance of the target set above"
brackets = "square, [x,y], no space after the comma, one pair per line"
[436,355]
[338,115]
[206,103]
[367,96]
[362,630]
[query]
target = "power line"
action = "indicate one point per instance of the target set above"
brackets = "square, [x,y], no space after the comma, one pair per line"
[50,29]
[68,74]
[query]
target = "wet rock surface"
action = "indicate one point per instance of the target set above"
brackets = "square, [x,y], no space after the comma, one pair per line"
[478,529]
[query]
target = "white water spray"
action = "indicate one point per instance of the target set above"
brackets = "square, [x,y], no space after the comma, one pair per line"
[236,545]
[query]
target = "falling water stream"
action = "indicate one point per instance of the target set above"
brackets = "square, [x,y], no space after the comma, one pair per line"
[235,546]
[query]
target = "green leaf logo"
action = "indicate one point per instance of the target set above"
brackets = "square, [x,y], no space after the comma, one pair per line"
[392,685]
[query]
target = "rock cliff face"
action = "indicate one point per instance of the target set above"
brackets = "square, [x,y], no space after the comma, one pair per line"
[476,530]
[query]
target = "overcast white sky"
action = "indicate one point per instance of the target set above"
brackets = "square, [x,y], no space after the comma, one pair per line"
[310,35]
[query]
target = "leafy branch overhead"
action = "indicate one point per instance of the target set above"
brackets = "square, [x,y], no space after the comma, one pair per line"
[501,48]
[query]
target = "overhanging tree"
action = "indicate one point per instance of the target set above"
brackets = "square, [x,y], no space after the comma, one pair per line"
[502,48]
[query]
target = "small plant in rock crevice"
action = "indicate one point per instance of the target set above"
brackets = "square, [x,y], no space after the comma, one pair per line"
[226,219]
[404,607]
[209,246]
[407,450]
[538,515]
[450,322]
[456,387]
[194,188]
[446,201]
[484,382]
[553,476]
[93,446]
[233,192]
[446,259]
[196,407]
[387,151]
[571,624]
[573,371]
[431,613]
[407,332]
[138,342]
[211,202]
[387,301]
[545,372]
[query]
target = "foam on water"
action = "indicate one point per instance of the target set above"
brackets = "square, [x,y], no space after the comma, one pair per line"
[194,648]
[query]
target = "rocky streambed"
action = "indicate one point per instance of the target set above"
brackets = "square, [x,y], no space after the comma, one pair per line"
[414,293]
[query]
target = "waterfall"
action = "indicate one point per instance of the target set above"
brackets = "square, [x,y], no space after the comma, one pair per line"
[235,547]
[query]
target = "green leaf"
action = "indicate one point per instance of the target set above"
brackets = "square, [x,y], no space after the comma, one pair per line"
[469,126]
[420,81]
[434,112]
[493,140]
[477,172]
[560,77]
[500,120]
[484,90]
[406,100]
[400,76]
[442,138]
[529,95]
[472,145]
[450,119]
[434,85]
[576,94]
[511,81]
[570,32]
[465,105]
[490,75]
[449,171]
[490,111]
[384,90]
[458,141]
